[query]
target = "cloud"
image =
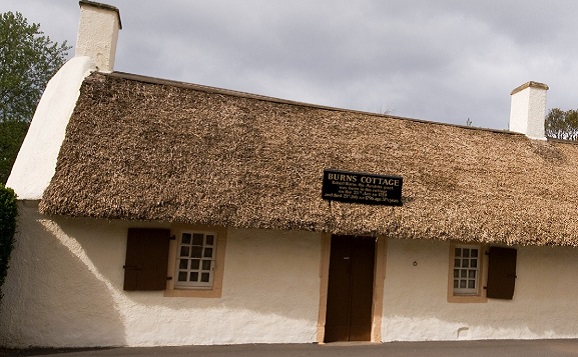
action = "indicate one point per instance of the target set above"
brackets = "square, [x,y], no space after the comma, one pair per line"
[446,60]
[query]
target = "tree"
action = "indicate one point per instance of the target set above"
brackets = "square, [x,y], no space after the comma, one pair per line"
[8,213]
[12,133]
[562,124]
[28,59]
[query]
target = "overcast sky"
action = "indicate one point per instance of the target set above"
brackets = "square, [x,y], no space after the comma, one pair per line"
[443,61]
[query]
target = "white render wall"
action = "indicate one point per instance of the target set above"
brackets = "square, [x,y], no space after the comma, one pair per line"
[415,307]
[36,160]
[64,288]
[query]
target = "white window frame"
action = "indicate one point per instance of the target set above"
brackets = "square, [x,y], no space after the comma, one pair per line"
[459,294]
[466,272]
[211,289]
[196,257]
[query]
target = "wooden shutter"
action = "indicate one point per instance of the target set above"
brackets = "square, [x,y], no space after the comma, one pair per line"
[501,273]
[147,254]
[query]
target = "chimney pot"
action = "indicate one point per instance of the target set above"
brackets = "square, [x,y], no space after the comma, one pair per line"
[98,33]
[528,110]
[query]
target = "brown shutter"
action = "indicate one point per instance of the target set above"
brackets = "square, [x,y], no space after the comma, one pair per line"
[147,254]
[501,273]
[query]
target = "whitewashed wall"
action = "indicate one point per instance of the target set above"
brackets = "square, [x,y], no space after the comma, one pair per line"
[64,288]
[545,303]
[36,160]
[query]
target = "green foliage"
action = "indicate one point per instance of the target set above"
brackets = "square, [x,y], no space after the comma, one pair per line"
[28,59]
[8,213]
[562,124]
[12,133]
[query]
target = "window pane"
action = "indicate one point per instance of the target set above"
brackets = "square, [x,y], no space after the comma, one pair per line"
[208,253]
[186,238]
[197,252]
[198,239]
[466,268]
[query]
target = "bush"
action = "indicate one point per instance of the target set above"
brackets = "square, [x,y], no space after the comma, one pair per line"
[8,213]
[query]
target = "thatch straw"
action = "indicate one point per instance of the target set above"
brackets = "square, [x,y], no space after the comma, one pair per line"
[140,150]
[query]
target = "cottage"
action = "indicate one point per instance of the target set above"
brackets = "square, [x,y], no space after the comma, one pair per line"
[155,212]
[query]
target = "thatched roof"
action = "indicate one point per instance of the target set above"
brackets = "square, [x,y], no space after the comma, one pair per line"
[141,149]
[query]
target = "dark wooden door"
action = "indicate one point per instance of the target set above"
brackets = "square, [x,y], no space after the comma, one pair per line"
[350,289]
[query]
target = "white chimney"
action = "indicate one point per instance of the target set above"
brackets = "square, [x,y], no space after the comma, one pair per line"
[98,33]
[528,111]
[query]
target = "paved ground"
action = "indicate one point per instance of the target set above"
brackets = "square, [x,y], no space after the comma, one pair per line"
[530,348]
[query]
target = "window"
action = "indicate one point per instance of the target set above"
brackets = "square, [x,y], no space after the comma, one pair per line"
[195,262]
[184,261]
[466,270]
[477,273]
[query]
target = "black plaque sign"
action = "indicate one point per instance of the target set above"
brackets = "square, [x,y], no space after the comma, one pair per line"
[357,187]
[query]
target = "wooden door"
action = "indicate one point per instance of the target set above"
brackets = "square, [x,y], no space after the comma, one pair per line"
[350,289]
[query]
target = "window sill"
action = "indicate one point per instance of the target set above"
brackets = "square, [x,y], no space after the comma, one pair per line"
[467,299]
[200,293]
